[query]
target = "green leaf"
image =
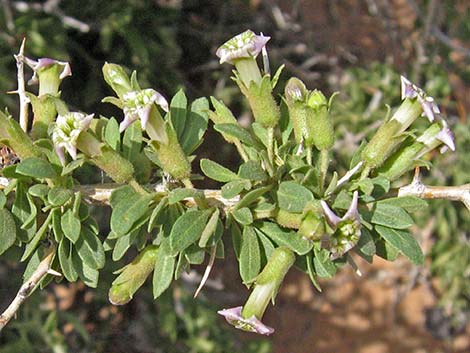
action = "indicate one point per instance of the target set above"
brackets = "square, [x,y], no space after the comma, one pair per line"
[178,112]
[365,246]
[129,211]
[250,257]
[252,196]
[266,243]
[88,275]
[311,271]
[404,242]
[3,199]
[408,203]
[243,216]
[195,255]
[7,230]
[195,126]
[132,141]
[22,211]
[112,135]
[120,194]
[210,228]
[163,273]
[252,170]
[75,164]
[239,133]
[177,195]
[236,238]
[71,225]
[39,191]
[293,197]
[123,244]
[58,196]
[31,220]
[187,229]
[391,216]
[31,246]
[217,172]
[322,263]
[235,187]
[156,213]
[65,253]
[36,168]
[283,237]
[90,249]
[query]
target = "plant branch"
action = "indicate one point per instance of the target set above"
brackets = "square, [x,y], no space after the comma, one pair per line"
[21,91]
[454,193]
[28,287]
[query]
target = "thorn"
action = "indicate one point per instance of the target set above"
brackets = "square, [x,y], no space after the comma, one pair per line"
[207,271]
[54,272]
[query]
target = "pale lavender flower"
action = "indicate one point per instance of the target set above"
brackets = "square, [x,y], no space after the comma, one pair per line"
[36,65]
[66,130]
[409,90]
[138,105]
[234,317]
[347,229]
[244,45]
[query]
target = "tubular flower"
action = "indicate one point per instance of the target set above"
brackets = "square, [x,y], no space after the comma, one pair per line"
[66,130]
[43,63]
[409,90]
[139,104]
[266,287]
[346,230]
[244,45]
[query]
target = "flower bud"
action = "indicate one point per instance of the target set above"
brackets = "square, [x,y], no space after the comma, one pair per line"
[48,73]
[319,126]
[133,276]
[266,287]
[117,79]
[296,93]
[312,226]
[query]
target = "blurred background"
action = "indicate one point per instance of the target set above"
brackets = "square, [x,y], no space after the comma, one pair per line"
[355,47]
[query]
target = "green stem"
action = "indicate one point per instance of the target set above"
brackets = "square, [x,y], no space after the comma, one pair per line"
[187,183]
[137,187]
[309,155]
[365,172]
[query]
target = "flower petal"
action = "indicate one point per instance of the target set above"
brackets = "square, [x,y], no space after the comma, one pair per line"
[244,45]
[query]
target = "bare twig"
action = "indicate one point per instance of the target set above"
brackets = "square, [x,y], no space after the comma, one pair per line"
[28,287]
[455,193]
[51,7]
[21,91]
[207,272]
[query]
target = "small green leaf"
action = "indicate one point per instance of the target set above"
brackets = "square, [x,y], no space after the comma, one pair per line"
[266,243]
[58,196]
[366,246]
[178,112]
[210,228]
[163,273]
[70,225]
[322,263]
[156,213]
[90,249]
[391,216]
[128,211]
[75,164]
[22,211]
[293,197]
[408,203]
[123,244]
[3,199]
[39,191]
[292,240]
[236,238]
[217,172]
[112,135]
[311,271]
[252,196]
[177,195]
[65,254]
[235,187]
[195,126]
[132,141]
[239,133]
[120,194]
[36,168]
[88,275]
[252,170]
[7,230]
[404,242]
[31,246]
[187,229]
[195,255]
[250,257]
[243,215]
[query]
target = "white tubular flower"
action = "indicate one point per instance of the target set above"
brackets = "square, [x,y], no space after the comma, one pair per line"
[46,62]
[138,105]
[66,130]
[244,45]
[347,229]
[409,90]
